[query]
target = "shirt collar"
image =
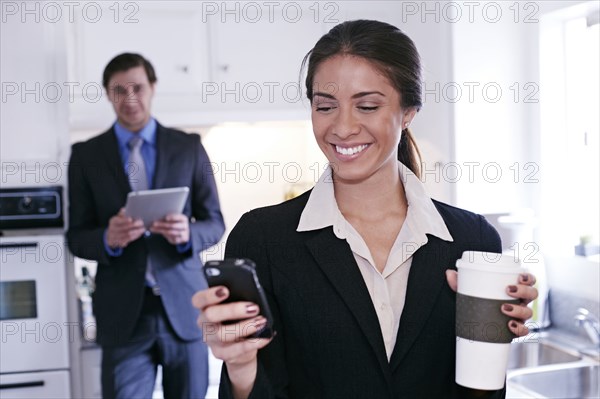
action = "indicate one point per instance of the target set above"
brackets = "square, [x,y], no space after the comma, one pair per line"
[322,211]
[148,133]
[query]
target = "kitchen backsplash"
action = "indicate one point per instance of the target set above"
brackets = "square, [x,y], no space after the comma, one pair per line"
[574,283]
[563,308]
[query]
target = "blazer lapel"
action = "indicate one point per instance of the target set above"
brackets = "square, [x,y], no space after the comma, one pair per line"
[335,259]
[110,148]
[426,278]
[164,152]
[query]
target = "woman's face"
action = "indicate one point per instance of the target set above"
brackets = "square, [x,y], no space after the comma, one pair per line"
[357,118]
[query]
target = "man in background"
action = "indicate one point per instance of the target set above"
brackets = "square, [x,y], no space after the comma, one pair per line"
[145,277]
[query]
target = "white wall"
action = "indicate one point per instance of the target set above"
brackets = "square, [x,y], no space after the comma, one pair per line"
[255,165]
[507,133]
[499,48]
[574,274]
[569,111]
[496,127]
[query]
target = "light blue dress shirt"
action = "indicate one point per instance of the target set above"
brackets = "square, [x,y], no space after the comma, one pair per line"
[148,150]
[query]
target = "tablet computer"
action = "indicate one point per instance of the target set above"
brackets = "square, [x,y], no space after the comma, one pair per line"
[151,205]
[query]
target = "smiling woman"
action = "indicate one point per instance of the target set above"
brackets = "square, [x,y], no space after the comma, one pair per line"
[392,62]
[359,272]
[357,125]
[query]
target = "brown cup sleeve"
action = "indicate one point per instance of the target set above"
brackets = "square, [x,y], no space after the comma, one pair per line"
[480,319]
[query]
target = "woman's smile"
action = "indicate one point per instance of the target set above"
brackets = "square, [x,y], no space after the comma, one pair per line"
[349,152]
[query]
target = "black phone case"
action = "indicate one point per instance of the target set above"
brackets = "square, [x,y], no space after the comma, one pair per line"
[239,276]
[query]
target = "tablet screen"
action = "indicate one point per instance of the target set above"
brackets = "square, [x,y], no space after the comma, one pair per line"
[151,205]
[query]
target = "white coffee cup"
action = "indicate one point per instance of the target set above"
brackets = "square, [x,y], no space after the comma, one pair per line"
[482,334]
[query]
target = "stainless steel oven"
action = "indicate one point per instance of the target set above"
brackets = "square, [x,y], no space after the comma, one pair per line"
[35,333]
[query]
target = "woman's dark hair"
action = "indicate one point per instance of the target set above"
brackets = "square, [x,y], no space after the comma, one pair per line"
[392,52]
[124,62]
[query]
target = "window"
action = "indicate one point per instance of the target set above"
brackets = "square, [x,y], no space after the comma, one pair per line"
[569,104]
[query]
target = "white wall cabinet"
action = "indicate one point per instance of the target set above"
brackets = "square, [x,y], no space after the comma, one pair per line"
[170,34]
[240,61]
[35,385]
[215,62]
[33,106]
[91,371]
[256,65]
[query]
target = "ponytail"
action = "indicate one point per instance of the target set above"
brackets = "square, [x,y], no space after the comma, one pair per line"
[408,152]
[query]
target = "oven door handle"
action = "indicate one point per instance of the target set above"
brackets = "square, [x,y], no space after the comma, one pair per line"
[19,245]
[18,385]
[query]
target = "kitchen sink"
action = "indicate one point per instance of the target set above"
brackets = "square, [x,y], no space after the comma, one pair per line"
[533,354]
[567,381]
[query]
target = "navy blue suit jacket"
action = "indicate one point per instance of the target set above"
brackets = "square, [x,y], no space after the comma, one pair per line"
[98,188]
[329,343]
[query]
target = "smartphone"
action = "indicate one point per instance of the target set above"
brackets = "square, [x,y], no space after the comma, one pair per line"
[239,276]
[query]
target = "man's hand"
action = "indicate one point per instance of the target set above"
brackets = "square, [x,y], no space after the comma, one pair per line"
[123,229]
[174,227]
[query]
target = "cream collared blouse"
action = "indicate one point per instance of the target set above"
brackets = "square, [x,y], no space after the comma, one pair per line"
[388,288]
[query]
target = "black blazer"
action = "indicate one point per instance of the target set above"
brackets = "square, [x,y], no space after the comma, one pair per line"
[98,188]
[329,343]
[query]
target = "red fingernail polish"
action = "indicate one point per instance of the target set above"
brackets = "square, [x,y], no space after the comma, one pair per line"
[260,324]
[221,292]
[525,277]
[512,288]
[250,309]
[508,307]
[513,324]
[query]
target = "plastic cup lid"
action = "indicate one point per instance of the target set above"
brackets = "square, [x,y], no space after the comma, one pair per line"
[489,261]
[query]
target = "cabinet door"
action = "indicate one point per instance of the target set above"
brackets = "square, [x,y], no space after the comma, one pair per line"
[258,51]
[171,35]
[40,385]
[91,370]
[33,109]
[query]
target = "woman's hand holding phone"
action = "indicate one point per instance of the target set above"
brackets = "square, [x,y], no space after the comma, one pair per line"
[231,342]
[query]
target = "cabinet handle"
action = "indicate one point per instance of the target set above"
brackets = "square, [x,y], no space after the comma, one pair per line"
[19,245]
[18,385]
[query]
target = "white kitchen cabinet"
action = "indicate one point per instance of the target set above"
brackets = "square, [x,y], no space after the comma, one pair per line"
[170,34]
[33,107]
[91,369]
[257,56]
[215,62]
[38,385]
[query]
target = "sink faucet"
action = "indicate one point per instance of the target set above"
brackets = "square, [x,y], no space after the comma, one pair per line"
[590,324]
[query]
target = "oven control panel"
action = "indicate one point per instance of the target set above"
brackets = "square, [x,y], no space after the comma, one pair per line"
[31,207]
